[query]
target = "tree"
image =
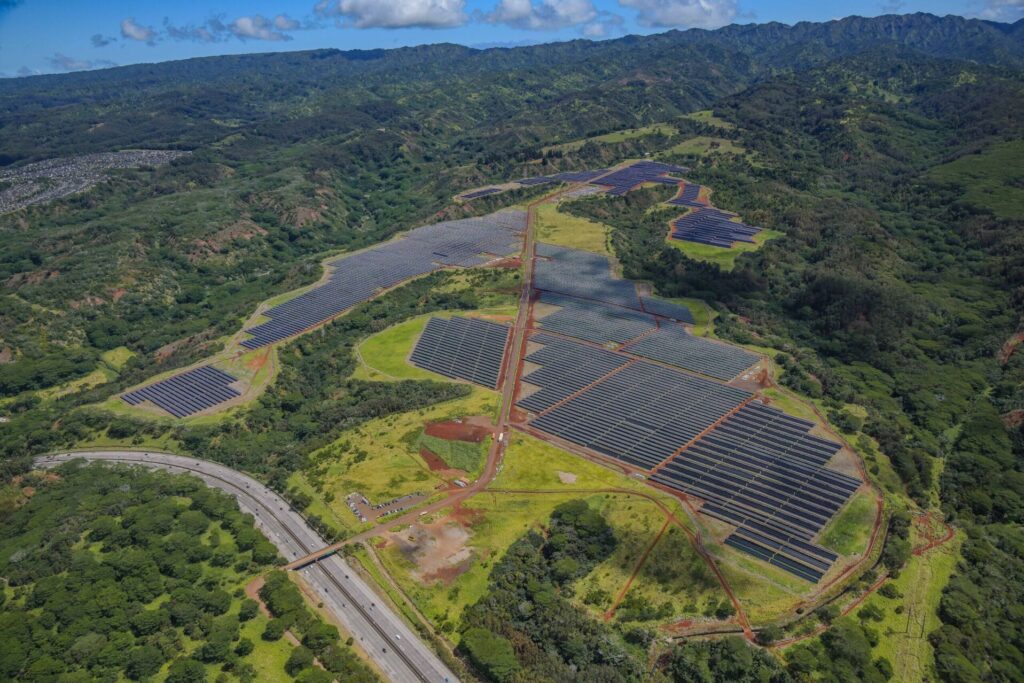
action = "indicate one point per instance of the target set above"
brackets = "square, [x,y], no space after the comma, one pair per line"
[300,658]
[490,653]
[143,662]
[186,671]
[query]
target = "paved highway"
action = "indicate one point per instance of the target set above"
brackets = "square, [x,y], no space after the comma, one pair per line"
[394,648]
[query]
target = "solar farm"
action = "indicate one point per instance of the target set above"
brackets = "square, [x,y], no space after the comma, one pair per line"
[617,375]
[462,348]
[712,226]
[187,393]
[358,278]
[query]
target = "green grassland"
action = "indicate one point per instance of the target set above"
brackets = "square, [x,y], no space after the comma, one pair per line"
[460,455]
[904,635]
[703,145]
[849,531]
[994,178]
[708,116]
[613,137]
[110,365]
[724,257]
[673,583]
[555,227]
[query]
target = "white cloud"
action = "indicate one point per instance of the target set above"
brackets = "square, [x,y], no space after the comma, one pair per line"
[1003,10]
[544,14]
[396,13]
[283,22]
[606,25]
[134,31]
[257,27]
[683,13]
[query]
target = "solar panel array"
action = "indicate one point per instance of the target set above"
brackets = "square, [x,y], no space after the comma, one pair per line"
[480,193]
[565,368]
[763,471]
[593,321]
[712,226]
[564,177]
[667,309]
[688,196]
[360,277]
[581,274]
[622,181]
[462,348]
[674,345]
[187,393]
[636,412]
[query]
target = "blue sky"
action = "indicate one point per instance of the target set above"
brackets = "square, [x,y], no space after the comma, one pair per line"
[47,36]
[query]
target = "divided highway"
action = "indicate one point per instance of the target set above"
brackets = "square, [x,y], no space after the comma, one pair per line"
[395,648]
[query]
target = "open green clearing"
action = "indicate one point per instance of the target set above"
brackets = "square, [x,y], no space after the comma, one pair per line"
[703,145]
[708,116]
[904,634]
[849,531]
[559,228]
[993,178]
[110,365]
[460,455]
[615,136]
[724,257]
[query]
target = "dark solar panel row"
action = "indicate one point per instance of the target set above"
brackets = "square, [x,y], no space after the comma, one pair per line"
[622,181]
[564,177]
[689,194]
[641,414]
[712,226]
[593,321]
[187,393]
[360,277]
[667,309]
[565,367]
[480,193]
[462,348]
[673,345]
[582,274]
[763,471]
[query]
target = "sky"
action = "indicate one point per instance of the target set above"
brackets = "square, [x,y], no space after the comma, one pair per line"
[55,36]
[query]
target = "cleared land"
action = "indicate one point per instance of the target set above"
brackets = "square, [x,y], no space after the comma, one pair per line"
[702,145]
[555,227]
[724,257]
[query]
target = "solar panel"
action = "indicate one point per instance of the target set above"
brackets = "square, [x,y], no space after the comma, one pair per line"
[706,225]
[462,348]
[672,344]
[187,393]
[763,471]
[357,278]
[593,321]
[625,179]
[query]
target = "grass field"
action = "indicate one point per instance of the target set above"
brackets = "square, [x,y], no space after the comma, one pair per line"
[461,455]
[380,458]
[616,136]
[703,145]
[724,257]
[110,365]
[904,637]
[993,179]
[673,574]
[849,531]
[556,227]
[707,116]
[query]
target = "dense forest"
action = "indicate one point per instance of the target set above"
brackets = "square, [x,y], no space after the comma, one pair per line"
[897,286]
[104,581]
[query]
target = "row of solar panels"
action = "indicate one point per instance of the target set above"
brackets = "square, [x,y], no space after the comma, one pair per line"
[763,471]
[673,345]
[462,348]
[360,277]
[187,393]
[622,181]
[714,227]
[689,195]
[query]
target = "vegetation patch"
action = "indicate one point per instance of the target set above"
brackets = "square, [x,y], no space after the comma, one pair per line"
[555,227]
[992,178]
[850,530]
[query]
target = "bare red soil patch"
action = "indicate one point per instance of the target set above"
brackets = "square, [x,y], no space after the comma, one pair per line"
[257,363]
[466,430]
[514,263]
[434,461]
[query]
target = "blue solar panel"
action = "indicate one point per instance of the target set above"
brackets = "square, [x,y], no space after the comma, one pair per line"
[188,392]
